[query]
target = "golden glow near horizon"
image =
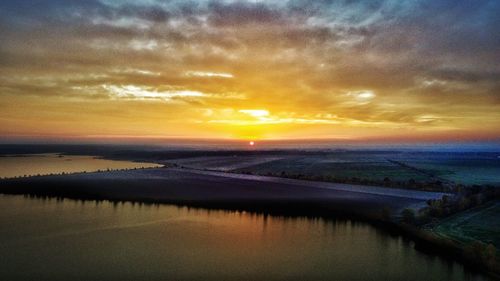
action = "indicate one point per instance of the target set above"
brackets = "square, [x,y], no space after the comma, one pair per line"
[249,70]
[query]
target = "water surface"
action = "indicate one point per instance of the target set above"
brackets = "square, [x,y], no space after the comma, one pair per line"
[48,239]
[51,163]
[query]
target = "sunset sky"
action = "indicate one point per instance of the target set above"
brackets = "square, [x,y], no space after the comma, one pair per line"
[348,70]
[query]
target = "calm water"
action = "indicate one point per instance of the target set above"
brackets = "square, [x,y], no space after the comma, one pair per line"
[42,239]
[44,164]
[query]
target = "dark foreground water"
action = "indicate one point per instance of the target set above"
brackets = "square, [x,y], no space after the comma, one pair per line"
[42,239]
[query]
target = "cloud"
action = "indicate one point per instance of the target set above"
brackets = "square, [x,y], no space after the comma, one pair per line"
[255,112]
[242,13]
[208,74]
[369,62]
[139,93]
[365,95]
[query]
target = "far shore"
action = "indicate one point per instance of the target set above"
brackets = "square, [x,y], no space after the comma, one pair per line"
[187,186]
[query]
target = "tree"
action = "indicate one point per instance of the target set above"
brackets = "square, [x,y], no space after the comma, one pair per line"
[387,181]
[408,215]
[489,254]
[386,214]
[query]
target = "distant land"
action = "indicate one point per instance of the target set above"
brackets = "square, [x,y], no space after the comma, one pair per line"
[421,193]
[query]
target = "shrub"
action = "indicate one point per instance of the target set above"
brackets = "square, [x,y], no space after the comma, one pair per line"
[489,255]
[408,215]
[386,214]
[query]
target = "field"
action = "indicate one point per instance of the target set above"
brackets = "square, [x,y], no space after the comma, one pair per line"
[481,224]
[335,165]
[223,163]
[464,168]
[220,190]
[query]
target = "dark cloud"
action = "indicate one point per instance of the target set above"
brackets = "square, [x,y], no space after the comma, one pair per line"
[154,13]
[466,76]
[242,13]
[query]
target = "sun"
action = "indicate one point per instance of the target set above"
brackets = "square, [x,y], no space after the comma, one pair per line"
[251,143]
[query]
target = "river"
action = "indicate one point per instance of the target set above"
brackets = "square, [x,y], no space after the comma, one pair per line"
[49,239]
[21,165]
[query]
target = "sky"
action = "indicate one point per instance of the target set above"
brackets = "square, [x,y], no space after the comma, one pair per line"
[342,70]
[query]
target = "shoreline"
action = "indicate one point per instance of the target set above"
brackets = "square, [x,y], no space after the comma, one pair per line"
[291,206]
